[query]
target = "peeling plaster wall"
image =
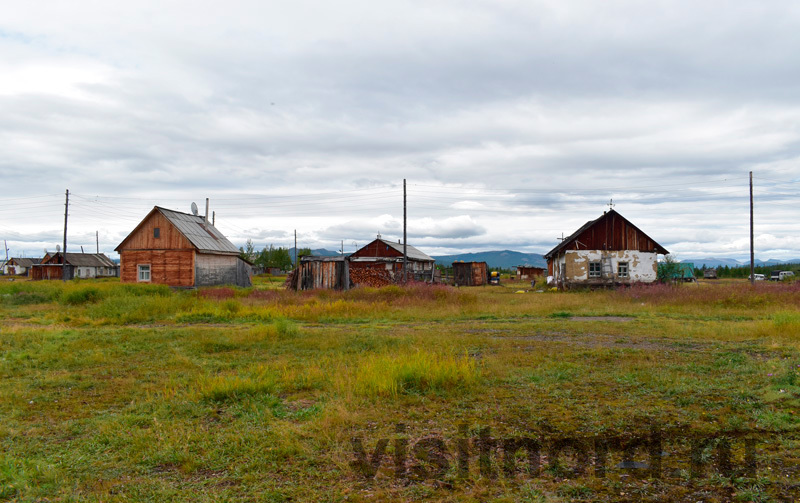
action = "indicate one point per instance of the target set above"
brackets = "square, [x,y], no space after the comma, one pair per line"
[642,266]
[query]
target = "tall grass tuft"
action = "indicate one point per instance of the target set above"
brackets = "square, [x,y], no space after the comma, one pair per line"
[417,373]
[86,295]
[229,388]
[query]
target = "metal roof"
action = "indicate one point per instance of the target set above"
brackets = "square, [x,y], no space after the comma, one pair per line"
[411,252]
[84,259]
[204,237]
[24,262]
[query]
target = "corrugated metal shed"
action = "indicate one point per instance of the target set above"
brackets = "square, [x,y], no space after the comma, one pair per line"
[205,237]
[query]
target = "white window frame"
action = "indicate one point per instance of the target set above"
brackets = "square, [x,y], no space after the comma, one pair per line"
[627,272]
[595,269]
[140,269]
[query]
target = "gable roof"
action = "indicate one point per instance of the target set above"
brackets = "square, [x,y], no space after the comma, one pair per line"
[84,259]
[204,237]
[608,214]
[24,262]
[411,252]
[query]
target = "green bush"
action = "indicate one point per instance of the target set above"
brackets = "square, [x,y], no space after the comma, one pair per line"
[88,295]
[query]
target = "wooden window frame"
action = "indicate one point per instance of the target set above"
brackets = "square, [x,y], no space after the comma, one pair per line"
[595,273]
[156,232]
[627,273]
[139,272]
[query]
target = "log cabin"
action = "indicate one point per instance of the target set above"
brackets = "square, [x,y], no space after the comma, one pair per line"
[180,249]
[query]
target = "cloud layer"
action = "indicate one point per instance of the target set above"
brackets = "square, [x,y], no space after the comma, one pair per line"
[512,121]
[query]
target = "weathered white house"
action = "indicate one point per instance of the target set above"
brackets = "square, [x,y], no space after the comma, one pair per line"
[19,266]
[607,251]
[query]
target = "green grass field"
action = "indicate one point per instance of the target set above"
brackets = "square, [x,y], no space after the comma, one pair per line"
[113,392]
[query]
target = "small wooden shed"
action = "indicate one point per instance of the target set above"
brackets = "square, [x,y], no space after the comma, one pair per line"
[321,272]
[529,272]
[470,273]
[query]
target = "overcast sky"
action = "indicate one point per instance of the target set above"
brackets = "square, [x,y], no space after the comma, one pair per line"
[513,121]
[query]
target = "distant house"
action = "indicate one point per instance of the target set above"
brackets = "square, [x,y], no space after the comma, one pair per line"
[74,265]
[180,249]
[529,272]
[388,256]
[709,273]
[470,273]
[19,266]
[606,251]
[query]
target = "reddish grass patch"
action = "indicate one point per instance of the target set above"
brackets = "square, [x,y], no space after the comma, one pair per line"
[217,293]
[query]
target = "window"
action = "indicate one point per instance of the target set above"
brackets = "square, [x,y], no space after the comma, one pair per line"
[144,272]
[156,232]
[622,270]
[594,269]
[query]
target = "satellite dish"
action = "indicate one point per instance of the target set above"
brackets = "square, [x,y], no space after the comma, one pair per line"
[194,209]
[58,248]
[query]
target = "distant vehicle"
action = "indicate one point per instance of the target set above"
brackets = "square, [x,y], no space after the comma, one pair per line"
[709,274]
[780,275]
[757,277]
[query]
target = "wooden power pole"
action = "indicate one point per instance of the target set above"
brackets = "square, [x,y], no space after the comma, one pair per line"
[752,248]
[405,244]
[64,251]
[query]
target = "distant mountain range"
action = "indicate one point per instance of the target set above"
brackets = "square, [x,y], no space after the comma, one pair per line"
[505,259]
[722,262]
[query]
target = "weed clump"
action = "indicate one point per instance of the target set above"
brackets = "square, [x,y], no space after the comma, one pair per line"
[229,388]
[88,295]
[418,373]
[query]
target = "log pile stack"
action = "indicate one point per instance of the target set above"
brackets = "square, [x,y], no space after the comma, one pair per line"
[375,278]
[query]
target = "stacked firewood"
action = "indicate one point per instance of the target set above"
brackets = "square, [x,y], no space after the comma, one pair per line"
[375,278]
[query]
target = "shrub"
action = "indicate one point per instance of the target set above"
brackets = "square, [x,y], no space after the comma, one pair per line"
[88,295]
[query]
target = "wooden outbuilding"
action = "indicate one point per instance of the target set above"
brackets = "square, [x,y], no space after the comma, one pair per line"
[530,273]
[20,266]
[383,255]
[321,272]
[606,251]
[470,273]
[180,249]
[62,265]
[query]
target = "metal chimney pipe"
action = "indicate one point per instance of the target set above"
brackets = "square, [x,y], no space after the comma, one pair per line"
[206,211]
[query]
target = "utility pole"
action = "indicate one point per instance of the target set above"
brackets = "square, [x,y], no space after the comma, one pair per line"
[752,252]
[405,243]
[295,248]
[97,240]
[64,256]
[341,252]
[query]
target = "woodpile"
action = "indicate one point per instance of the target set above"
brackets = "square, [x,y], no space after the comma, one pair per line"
[375,278]
[289,283]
